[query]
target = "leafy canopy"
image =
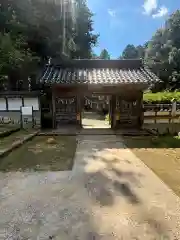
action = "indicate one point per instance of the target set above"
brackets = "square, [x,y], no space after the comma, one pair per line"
[32,32]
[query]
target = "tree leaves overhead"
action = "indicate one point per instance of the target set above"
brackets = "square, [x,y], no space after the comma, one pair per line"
[33,31]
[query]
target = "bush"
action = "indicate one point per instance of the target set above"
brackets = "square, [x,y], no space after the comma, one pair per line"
[161,97]
[107,118]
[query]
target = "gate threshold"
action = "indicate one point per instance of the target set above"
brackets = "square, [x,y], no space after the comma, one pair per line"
[96,131]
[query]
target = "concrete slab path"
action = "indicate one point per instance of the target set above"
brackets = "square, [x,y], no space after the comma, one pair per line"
[93,120]
[110,194]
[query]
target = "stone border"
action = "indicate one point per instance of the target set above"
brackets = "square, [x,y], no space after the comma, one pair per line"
[96,131]
[17,144]
[153,132]
[51,134]
[77,132]
[9,132]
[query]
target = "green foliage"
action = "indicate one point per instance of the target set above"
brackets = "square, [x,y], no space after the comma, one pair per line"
[84,37]
[104,55]
[166,141]
[14,53]
[161,53]
[32,32]
[94,56]
[161,97]
[107,118]
[132,52]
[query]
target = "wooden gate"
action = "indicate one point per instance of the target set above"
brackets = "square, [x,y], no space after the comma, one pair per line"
[65,110]
[128,113]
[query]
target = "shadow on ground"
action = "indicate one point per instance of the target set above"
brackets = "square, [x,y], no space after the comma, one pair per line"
[110,185]
[45,207]
[103,184]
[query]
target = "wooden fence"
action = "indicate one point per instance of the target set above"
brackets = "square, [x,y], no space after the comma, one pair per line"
[162,113]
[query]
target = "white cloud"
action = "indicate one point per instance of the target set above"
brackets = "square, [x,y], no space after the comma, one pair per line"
[112,12]
[152,9]
[149,6]
[161,12]
[114,20]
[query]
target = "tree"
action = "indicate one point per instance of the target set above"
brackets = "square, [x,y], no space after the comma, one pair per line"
[130,52]
[15,60]
[163,52]
[141,51]
[94,56]
[104,55]
[84,38]
[32,32]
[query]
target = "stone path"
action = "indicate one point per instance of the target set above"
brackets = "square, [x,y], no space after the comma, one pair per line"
[94,120]
[110,194]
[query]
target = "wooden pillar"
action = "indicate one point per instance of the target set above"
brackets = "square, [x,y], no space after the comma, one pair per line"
[7,107]
[113,111]
[53,110]
[140,110]
[79,110]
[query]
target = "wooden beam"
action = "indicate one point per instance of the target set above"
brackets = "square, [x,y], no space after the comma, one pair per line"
[158,117]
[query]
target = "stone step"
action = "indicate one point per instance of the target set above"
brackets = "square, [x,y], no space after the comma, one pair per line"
[97,131]
[132,132]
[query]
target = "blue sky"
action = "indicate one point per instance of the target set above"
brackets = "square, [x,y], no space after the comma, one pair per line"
[122,22]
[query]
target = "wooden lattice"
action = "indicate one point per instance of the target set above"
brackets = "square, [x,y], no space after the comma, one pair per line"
[66,109]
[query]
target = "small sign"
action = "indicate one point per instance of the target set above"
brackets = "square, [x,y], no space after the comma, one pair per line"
[27,117]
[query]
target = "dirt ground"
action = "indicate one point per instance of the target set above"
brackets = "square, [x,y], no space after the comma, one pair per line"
[160,155]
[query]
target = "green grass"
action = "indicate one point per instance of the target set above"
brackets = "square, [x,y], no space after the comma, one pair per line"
[166,142]
[9,140]
[4,128]
[39,155]
[161,155]
[154,142]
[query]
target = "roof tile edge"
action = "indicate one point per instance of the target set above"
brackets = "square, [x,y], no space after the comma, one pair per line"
[99,63]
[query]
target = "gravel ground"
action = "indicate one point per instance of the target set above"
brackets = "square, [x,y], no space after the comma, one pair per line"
[109,194]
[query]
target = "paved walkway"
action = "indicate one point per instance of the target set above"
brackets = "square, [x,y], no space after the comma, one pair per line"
[94,120]
[110,194]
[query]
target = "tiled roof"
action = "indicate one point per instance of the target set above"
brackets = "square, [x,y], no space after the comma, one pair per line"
[115,74]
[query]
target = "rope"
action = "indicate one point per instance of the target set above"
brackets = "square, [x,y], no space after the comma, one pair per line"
[90,101]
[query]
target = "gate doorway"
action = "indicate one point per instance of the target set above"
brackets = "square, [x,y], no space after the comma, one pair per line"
[96,112]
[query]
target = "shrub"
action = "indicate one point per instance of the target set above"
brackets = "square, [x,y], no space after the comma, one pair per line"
[107,118]
[161,97]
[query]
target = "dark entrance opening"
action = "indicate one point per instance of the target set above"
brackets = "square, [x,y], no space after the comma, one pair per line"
[96,112]
[46,110]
